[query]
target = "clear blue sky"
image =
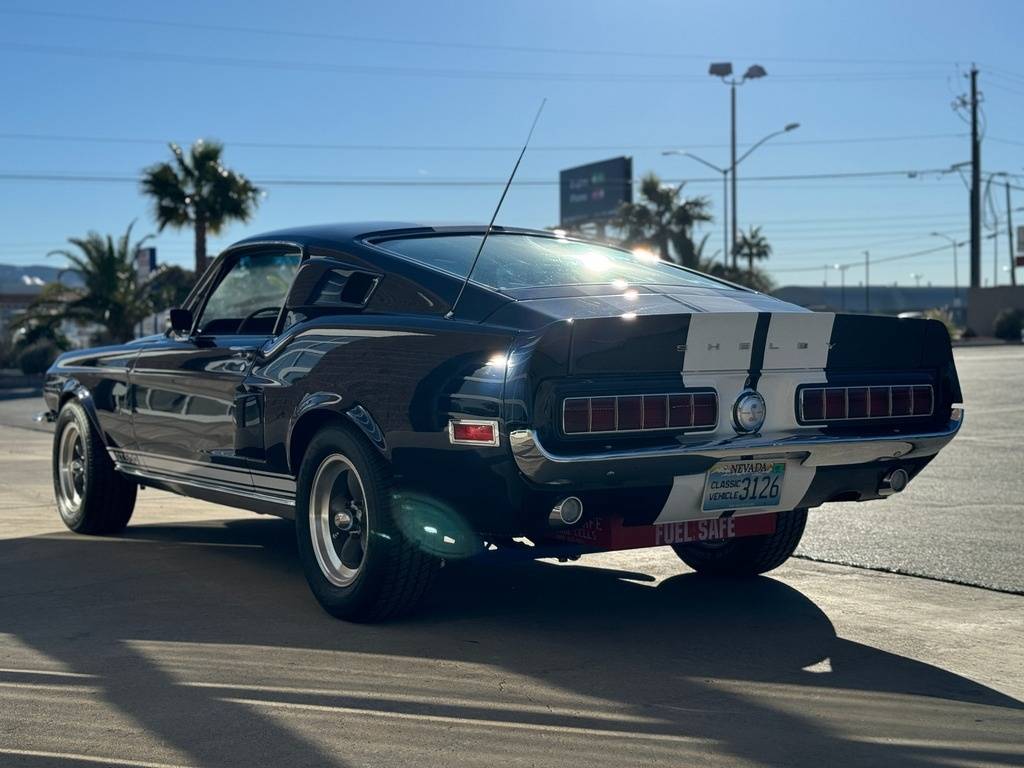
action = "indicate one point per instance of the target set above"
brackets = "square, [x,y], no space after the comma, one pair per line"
[870,82]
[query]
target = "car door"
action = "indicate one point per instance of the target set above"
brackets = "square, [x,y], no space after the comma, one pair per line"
[187,389]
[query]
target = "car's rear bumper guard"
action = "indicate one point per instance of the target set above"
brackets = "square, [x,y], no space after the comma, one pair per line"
[542,466]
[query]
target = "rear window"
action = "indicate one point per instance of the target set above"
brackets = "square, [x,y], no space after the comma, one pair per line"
[533,261]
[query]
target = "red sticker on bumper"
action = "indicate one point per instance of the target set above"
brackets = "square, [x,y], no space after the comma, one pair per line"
[611,534]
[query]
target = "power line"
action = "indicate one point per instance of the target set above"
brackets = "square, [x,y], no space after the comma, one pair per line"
[465,147]
[369,70]
[461,45]
[847,265]
[427,182]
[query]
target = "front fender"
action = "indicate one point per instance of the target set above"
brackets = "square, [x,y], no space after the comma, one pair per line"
[72,389]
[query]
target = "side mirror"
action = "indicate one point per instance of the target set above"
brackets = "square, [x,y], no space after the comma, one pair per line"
[181,320]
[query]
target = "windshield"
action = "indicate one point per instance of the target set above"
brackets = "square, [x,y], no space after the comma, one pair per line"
[532,261]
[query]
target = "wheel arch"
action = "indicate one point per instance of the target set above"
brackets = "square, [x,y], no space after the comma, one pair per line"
[326,409]
[74,390]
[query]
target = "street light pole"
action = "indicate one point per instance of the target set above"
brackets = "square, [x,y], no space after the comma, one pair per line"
[732,166]
[956,280]
[725,193]
[842,285]
[867,282]
[724,71]
[1009,233]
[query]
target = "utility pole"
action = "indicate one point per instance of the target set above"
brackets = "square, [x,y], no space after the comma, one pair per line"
[867,282]
[1009,233]
[975,185]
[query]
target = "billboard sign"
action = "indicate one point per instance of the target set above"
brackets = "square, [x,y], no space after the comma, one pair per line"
[594,192]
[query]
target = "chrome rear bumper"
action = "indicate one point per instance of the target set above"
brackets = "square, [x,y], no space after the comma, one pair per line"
[812,450]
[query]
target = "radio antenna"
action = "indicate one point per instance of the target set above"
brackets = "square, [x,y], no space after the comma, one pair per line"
[487,232]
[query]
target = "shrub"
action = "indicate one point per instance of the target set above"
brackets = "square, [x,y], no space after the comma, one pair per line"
[1008,324]
[943,317]
[8,355]
[37,357]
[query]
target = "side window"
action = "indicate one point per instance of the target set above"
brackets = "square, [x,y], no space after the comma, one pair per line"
[249,297]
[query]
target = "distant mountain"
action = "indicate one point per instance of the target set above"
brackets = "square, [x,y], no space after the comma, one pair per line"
[31,279]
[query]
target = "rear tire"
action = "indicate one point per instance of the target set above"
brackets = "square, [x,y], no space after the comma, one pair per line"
[358,563]
[747,556]
[92,496]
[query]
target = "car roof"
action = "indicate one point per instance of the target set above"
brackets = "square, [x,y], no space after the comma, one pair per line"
[348,232]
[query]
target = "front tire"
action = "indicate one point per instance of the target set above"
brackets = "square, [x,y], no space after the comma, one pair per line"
[358,563]
[747,556]
[92,496]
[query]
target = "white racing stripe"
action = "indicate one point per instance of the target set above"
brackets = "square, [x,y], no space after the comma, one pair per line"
[719,351]
[687,495]
[719,342]
[798,340]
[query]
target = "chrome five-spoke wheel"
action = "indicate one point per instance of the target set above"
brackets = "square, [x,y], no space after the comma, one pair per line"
[338,523]
[71,470]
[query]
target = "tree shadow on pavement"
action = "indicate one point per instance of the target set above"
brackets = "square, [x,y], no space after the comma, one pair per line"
[752,669]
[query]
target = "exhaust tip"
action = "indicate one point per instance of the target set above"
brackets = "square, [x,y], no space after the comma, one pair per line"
[568,511]
[894,482]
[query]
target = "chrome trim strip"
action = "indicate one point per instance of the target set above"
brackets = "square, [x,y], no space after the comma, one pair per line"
[493,423]
[251,493]
[165,457]
[542,466]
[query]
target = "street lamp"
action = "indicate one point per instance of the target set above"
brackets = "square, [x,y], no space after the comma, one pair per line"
[956,279]
[725,175]
[842,284]
[916,277]
[725,195]
[723,70]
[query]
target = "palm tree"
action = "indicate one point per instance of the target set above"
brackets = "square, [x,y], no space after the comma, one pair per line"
[664,222]
[754,245]
[197,190]
[110,295]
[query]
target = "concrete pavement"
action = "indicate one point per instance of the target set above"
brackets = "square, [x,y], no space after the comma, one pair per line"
[193,641]
[962,519]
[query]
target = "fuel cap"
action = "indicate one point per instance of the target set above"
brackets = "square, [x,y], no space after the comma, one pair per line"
[749,411]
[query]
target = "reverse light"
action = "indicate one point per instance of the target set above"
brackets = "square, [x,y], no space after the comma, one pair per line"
[473,432]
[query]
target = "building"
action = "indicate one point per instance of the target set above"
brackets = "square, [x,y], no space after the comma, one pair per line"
[884,299]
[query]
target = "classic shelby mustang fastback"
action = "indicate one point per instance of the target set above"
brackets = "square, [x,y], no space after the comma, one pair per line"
[580,395]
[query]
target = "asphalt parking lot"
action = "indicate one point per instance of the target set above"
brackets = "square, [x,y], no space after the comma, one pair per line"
[193,641]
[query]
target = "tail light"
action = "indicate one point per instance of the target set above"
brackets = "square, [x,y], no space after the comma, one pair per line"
[639,413]
[899,401]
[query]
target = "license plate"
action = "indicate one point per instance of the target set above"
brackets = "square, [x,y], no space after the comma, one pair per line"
[742,484]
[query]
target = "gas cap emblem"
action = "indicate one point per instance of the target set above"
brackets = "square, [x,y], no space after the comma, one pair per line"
[749,411]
